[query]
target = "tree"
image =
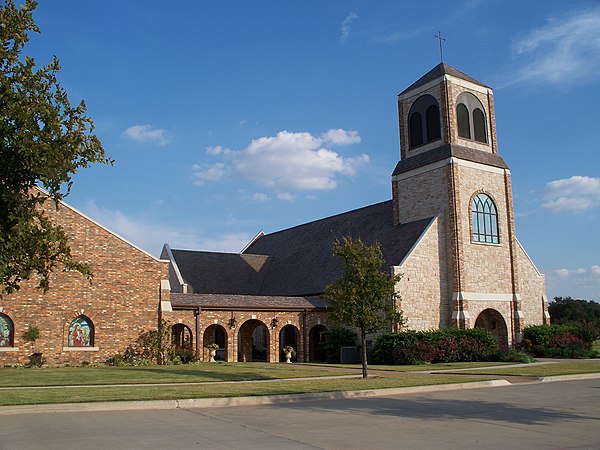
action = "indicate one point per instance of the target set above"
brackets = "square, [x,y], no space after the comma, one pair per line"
[364,296]
[43,142]
[564,310]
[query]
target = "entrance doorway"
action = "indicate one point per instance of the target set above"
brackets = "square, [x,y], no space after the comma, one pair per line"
[492,320]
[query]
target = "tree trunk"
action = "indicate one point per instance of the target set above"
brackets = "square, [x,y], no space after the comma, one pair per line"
[363,343]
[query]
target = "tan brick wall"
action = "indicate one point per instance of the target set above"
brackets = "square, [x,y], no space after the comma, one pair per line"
[122,302]
[424,289]
[485,267]
[423,195]
[533,290]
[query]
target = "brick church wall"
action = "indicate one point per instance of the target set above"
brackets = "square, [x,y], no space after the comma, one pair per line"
[122,300]
[532,290]
[424,289]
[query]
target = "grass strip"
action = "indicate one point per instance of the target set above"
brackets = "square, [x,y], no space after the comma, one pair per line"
[545,370]
[96,394]
[415,367]
[201,372]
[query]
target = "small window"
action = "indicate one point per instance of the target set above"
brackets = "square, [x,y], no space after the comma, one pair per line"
[484,220]
[479,126]
[424,121]
[81,332]
[7,331]
[462,116]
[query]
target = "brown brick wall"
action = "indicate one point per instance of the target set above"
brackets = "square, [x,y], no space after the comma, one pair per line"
[122,301]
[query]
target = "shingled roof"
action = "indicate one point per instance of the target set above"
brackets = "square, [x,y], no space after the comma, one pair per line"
[302,261]
[251,302]
[437,72]
[221,273]
[296,262]
[447,151]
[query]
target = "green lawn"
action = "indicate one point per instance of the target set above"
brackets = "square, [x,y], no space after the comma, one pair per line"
[194,373]
[563,367]
[16,396]
[415,368]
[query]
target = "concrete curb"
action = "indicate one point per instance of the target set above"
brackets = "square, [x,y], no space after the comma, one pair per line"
[578,376]
[242,401]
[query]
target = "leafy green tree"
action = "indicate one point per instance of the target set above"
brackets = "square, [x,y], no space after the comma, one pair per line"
[44,140]
[564,310]
[364,297]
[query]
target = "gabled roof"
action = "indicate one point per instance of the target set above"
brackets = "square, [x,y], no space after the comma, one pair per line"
[221,273]
[437,72]
[302,262]
[448,151]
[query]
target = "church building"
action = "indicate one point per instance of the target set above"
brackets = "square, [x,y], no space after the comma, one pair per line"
[448,230]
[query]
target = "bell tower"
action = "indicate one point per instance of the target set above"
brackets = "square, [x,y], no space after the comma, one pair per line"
[450,169]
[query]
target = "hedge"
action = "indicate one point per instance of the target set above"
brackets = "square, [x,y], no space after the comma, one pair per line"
[566,341]
[444,345]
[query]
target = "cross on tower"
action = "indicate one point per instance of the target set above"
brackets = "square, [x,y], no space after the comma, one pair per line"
[439,36]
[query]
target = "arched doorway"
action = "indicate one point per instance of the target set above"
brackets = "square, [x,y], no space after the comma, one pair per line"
[253,342]
[182,337]
[216,334]
[288,336]
[491,320]
[315,338]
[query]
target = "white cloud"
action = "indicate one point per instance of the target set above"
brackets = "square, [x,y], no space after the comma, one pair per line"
[582,282]
[151,237]
[217,150]
[564,51]
[341,137]
[288,162]
[351,17]
[210,173]
[577,193]
[260,197]
[147,134]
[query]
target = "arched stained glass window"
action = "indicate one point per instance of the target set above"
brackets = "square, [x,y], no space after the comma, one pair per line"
[7,331]
[484,220]
[462,116]
[81,332]
[479,126]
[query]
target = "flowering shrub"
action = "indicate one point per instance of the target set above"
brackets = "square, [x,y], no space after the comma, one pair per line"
[445,345]
[566,341]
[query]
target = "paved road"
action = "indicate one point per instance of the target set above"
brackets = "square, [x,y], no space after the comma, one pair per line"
[543,415]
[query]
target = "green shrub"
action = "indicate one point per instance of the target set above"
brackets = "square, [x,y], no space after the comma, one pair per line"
[560,341]
[514,355]
[444,345]
[334,340]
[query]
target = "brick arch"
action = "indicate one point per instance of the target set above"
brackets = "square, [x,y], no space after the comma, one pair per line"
[216,334]
[493,321]
[74,315]
[254,341]
[289,336]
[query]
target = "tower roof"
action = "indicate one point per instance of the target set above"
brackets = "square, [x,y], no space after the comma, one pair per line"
[437,72]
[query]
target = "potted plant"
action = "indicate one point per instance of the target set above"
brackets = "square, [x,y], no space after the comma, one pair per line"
[289,352]
[31,335]
[212,350]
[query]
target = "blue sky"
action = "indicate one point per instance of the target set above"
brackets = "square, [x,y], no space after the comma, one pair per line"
[226,118]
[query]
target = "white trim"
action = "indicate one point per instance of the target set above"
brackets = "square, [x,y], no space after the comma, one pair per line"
[478,166]
[463,315]
[174,263]
[253,240]
[76,211]
[166,305]
[81,349]
[419,90]
[485,297]
[418,241]
[8,349]
[519,314]
[468,84]
[529,258]
[165,285]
